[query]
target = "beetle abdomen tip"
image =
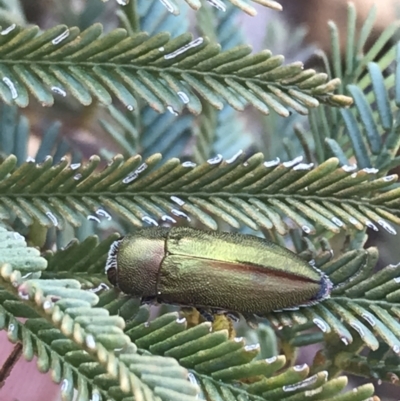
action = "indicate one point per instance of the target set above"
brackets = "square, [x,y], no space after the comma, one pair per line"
[326,288]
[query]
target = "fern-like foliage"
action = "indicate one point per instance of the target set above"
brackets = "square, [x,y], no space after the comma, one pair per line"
[180,95]
[381,365]
[64,61]
[368,131]
[14,138]
[162,133]
[219,132]
[370,135]
[291,42]
[146,131]
[243,190]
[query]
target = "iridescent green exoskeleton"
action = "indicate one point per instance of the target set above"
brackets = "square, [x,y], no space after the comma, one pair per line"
[214,272]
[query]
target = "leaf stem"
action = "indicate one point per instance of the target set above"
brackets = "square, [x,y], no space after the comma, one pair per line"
[9,364]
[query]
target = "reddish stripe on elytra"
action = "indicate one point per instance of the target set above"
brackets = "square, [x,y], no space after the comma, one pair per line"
[250,267]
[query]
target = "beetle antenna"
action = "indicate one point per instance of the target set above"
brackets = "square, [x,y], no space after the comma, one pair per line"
[323,293]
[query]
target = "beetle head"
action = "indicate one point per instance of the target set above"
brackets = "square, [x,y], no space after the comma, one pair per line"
[112,265]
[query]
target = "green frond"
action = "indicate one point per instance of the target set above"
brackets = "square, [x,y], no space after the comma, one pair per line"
[245,191]
[385,368]
[351,69]
[291,42]
[367,131]
[16,255]
[219,132]
[145,131]
[88,65]
[156,133]
[14,138]
[218,363]
[168,102]
[14,133]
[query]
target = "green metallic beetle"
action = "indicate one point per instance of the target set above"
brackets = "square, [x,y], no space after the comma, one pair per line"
[214,272]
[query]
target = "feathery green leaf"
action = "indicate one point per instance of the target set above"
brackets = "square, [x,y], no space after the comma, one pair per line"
[90,66]
[243,190]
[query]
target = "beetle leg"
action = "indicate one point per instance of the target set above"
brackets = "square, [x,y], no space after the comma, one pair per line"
[235,317]
[251,320]
[148,300]
[206,314]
